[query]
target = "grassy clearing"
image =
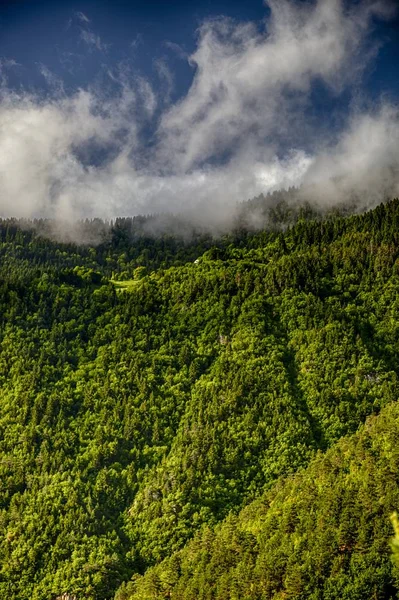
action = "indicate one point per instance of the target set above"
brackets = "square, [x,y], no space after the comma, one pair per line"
[125,285]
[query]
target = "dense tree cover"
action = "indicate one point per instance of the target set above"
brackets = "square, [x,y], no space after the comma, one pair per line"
[116,248]
[321,533]
[151,387]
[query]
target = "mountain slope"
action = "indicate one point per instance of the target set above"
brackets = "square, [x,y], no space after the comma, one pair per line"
[321,533]
[134,413]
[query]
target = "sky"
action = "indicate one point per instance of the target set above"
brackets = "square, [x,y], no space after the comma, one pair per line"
[117,108]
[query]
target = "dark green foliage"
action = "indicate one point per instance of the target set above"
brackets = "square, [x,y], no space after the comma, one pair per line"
[152,387]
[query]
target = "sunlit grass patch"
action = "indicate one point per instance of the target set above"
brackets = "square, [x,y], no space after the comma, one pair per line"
[125,285]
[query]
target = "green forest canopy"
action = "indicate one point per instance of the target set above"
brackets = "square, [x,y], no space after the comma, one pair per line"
[201,418]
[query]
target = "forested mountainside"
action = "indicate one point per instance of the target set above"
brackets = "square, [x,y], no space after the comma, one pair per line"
[172,412]
[321,533]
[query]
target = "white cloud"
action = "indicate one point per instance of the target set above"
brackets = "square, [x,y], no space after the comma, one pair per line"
[54,82]
[363,164]
[82,17]
[136,42]
[254,84]
[166,78]
[176,49]
[6,64]
[86,34]
[93,40]
[240,130]
[40,172]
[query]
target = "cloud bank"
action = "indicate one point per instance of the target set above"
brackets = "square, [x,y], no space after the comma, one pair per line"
[244,127]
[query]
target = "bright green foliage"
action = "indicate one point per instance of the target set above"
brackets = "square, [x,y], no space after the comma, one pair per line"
[395,540]
[322,533]
[127,285]
[151,388]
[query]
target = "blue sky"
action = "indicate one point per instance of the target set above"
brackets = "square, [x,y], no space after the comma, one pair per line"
[48,33]
[113,108]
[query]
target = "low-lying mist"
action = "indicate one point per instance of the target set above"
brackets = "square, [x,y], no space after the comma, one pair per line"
[274,211]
